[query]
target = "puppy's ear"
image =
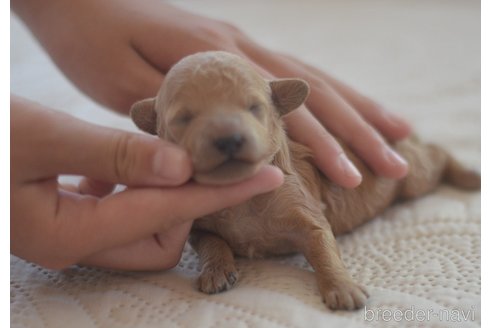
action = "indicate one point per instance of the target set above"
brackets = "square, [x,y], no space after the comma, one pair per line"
[288,94]
[144,116]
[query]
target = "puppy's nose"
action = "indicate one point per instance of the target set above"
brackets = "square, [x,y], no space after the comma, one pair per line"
[229,145]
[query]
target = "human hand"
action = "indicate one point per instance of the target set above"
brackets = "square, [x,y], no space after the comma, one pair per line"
[121,54]
[141,228]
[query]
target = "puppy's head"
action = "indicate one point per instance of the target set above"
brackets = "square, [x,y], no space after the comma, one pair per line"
[222,112]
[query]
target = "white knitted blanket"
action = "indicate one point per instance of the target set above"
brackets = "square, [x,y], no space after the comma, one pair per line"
[420,260]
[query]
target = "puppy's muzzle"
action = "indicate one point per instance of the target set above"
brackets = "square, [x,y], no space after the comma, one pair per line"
[227,148]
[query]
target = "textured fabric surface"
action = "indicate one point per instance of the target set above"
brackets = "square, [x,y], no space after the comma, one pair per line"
[422,257]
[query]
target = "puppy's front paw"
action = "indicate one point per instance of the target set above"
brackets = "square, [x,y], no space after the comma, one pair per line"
[345,295]
[218,279]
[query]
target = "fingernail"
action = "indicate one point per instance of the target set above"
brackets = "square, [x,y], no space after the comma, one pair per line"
[171,164]
[277,176]
[348,167]
[394,158]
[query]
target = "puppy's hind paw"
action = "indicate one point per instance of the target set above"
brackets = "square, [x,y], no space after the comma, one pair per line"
[216,280]
[345,296]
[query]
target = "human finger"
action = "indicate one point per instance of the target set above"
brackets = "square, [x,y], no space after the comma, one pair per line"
[62,144]
[88,186]
[391,125]
[160,251]
[328,154]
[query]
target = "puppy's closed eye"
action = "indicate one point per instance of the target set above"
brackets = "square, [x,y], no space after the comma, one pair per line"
[183,118]
[256,109]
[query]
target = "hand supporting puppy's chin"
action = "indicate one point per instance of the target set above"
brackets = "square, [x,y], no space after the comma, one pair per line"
[228,172]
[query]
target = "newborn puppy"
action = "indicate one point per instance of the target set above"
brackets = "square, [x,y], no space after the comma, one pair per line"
[229,120]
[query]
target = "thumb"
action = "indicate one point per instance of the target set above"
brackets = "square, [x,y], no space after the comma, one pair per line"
[134,159]
[61,144]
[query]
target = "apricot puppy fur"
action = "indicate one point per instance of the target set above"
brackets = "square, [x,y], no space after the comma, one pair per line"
[228,118]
